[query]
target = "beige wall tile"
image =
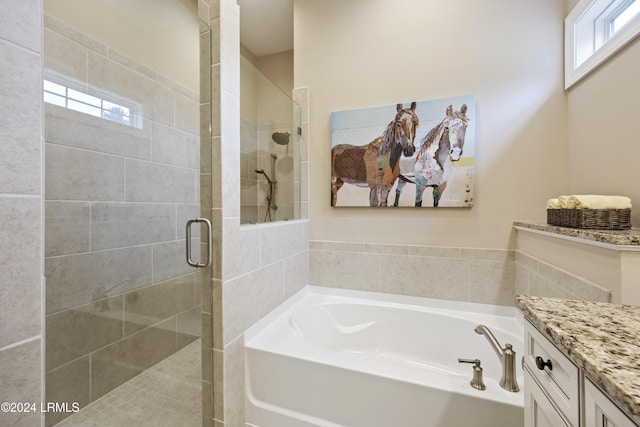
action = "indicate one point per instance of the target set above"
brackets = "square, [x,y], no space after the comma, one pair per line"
[68,383]
[358,271]
[429,277]
[343,246]
[207,347]
[280,241]
[218,384]
[189,327]
[186,212]
[116,225]
[522,280]
[73,174]
[65,57]
[78,279]
[492,282]
[296,273]
[541,287]
[152,304]
[75,129]
[20,273]
[234,395]
[241,248]
[175,147]
[488,254]
[153,182]
[186,110]
[435,251]
[20,85]
[527,261]
[386,249]
[78,331]
[169,259]
[22,26]
[230,149]
[207,404]
[20,379]
[67,228]
[266,290]
[157,100]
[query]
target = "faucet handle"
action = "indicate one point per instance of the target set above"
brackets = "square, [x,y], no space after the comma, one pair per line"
[477,381]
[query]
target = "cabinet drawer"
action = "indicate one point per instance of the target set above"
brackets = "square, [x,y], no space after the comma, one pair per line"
[561,380]
[538,409]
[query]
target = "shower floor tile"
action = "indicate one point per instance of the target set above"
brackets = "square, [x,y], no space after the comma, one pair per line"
[167,394]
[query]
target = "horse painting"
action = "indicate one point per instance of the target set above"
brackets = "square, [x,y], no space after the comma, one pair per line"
[441,147]
[375,165]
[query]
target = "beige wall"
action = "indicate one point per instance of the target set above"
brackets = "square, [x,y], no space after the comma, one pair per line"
[603,129]
[364,53]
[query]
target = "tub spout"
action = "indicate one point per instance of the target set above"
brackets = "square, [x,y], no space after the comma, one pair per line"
[507,358]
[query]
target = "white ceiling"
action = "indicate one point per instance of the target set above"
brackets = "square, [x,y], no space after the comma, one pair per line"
[266,26]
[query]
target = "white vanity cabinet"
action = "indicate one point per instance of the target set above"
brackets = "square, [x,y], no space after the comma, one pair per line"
[538,409]
[555,376]
[554,392]
[599,411]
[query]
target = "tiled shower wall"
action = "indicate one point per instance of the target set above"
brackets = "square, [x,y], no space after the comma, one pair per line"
[269,110]
[20,208]
[489,276]
[120,296]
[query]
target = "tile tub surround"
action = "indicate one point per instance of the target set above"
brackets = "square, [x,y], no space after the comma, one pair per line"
[600,338]
[461,274]
[120,296]
[536,277]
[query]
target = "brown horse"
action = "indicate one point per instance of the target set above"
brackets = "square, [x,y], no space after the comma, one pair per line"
[377,164]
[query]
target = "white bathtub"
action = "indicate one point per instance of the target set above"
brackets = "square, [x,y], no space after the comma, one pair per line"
[347,358]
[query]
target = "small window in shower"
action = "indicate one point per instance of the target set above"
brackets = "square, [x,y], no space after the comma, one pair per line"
[94,105]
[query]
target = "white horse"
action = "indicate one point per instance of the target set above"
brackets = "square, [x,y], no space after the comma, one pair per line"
[441,147]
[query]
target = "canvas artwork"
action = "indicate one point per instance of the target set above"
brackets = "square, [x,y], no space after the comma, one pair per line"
[418,154]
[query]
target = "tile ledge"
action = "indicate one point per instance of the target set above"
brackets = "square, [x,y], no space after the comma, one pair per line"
[617,240]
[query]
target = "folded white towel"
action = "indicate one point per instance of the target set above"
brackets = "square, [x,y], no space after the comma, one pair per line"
[553,204]
[588,201]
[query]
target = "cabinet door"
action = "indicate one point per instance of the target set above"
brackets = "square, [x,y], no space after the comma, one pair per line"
[600,411]
[538,409]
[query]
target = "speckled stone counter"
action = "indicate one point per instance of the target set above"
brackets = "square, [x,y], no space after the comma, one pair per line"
[602,339]
[629,237]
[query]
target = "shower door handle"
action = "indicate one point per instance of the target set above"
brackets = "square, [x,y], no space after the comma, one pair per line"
[209,243]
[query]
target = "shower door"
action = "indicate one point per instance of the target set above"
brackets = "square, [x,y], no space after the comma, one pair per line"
[122,129]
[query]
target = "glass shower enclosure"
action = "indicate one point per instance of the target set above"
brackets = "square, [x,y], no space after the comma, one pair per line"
[269,149]
[123,127]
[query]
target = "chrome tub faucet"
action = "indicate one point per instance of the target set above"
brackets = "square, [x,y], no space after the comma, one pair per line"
[507,358]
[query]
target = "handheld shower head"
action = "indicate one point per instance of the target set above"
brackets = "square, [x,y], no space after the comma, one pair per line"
[262,172]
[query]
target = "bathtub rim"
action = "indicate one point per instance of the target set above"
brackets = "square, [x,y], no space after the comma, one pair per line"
[384,299]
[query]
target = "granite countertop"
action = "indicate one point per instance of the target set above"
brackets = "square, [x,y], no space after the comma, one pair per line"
[600,338]
[629,237]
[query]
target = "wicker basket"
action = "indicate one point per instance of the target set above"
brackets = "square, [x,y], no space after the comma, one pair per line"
[600,219]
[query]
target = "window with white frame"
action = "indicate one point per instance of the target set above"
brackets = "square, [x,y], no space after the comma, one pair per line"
[115,109]
[596,29]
